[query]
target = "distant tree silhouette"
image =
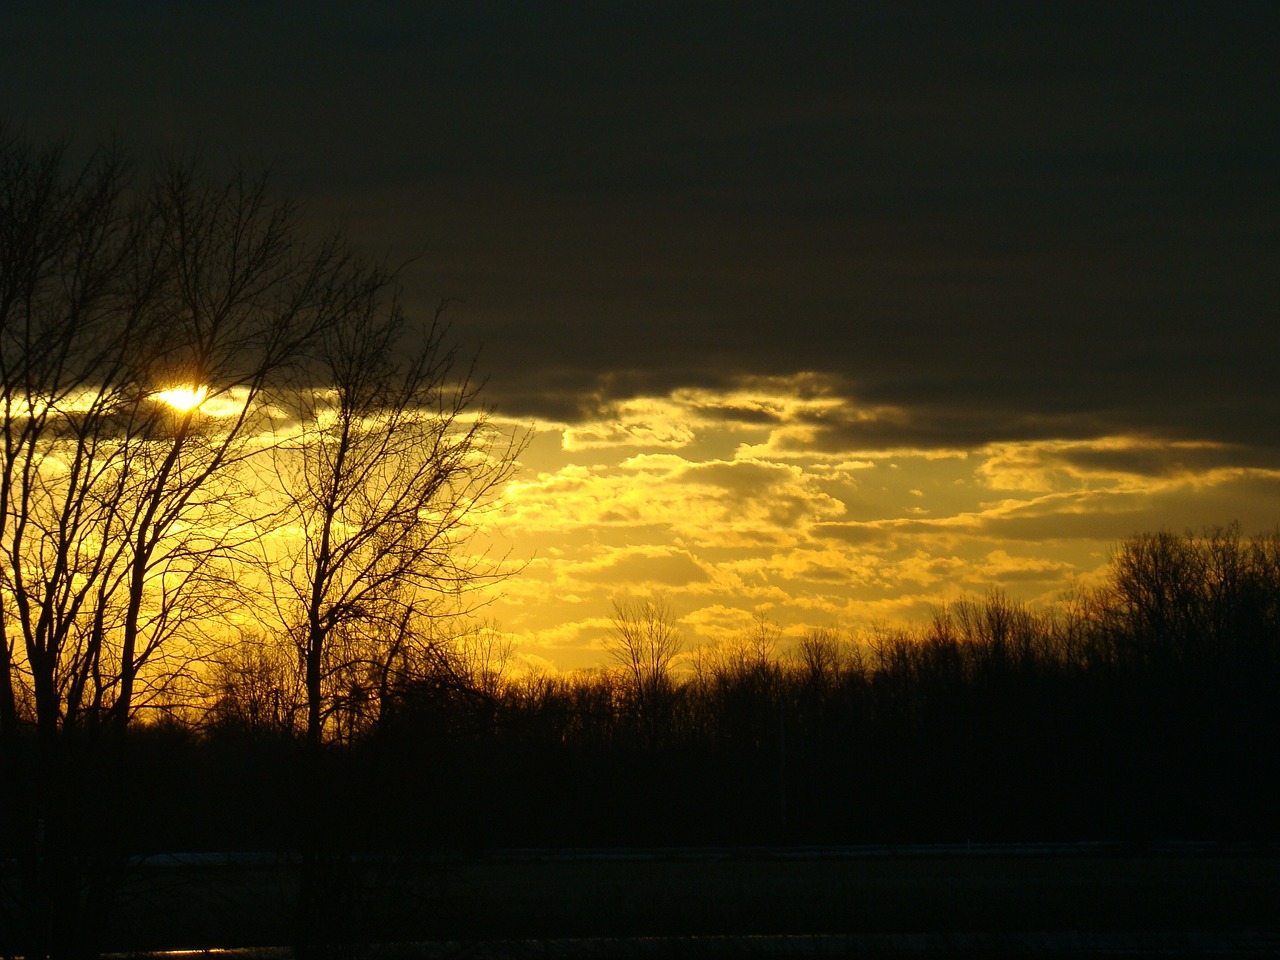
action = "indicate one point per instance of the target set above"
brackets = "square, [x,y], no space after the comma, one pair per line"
[823,656]
[482,657]
[1185,636]
[644,642]
[256,689]
[1189,601]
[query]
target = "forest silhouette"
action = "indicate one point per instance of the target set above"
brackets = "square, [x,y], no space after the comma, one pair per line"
[1145,709]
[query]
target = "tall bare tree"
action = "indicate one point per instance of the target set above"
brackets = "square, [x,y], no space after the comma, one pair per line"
[393,462]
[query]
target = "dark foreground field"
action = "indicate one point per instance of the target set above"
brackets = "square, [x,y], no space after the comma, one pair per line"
[1077,900]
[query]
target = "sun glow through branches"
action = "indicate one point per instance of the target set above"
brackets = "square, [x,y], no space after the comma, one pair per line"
[183,399]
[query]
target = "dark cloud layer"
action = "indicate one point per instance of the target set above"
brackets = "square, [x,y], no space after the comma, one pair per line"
[1005,220]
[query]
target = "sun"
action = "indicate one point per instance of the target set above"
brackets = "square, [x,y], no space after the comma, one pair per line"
[183,399]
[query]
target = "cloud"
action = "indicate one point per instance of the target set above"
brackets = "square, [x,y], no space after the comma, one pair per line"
[640,569]
[1221,497]
[709,503]
[1119,462]
[637,422]
[1001,567]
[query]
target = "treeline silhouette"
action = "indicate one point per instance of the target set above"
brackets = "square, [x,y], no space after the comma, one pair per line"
[1148,708]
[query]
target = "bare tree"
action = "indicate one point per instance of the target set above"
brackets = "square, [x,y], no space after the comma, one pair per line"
[393,462]
[645,642]
[481,658]
[256,688]
[144,324]
[822,655]
[390,463]
[1185,601]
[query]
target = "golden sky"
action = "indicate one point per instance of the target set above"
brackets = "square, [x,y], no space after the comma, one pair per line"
[727,504]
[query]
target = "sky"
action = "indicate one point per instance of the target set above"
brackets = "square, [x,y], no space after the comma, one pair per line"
[829,313]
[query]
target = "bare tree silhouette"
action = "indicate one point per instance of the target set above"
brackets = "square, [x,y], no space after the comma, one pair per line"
[393,461]
[645,642]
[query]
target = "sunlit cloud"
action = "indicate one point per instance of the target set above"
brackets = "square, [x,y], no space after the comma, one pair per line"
[1001,567]
[766,496]
[640,569]
[638,423]
[1128,462]
[810,443]
[712,503]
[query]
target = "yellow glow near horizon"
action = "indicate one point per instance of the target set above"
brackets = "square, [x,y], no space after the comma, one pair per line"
[184,399]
